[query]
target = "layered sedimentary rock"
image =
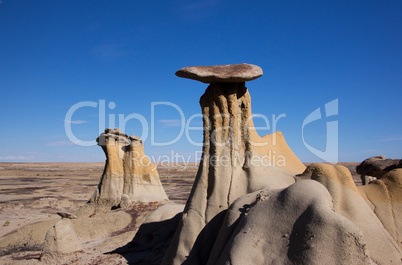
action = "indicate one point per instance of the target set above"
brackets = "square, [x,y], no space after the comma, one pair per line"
[128,171]
[349,202]
[235,160]
[384,197]
[246,208]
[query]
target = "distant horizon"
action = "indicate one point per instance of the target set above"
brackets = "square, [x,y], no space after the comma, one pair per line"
[14,162]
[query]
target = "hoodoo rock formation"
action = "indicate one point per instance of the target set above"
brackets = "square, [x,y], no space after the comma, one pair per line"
[254,202]
[235,161]
[128,171]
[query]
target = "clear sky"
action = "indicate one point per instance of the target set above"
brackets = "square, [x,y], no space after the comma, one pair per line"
[123,55]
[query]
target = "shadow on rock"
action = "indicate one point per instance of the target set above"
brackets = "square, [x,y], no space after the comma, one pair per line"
[150,243]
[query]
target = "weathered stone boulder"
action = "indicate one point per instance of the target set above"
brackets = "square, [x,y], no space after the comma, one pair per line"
[125,201]
[61,239]
[127,171]
[377,166]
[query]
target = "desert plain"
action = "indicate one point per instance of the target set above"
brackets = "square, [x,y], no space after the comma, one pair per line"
[31,194]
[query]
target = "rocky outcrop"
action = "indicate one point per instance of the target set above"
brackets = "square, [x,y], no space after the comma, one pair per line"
[128,172]
[384,197]
[61,239]
[349,202]
[245,208]
[235,161]
[295,225]
[376,167]
[321,219]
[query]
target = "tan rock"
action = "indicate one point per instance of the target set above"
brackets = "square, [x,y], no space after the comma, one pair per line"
[125,201]
[235,161]
[127,171]
[110,188]
[62,239]
[384,196]
[348,202]
[141,178]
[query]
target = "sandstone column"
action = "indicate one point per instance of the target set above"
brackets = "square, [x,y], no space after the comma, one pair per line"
[141,178]
[110,188]
[127,171]
[235,160]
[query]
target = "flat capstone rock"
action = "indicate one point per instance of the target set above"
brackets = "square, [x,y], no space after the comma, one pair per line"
[230,73]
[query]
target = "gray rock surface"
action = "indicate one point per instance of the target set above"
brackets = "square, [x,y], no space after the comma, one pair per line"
[231,73]
[61,239]
[378,166]
[296,225]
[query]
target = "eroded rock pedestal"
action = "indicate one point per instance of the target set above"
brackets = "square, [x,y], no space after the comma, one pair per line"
[254,202]
[128,171]
[235,160]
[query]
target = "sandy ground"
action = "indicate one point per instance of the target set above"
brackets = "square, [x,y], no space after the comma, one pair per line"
[32,193]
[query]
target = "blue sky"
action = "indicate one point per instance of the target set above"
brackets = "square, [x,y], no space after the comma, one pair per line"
[123,54]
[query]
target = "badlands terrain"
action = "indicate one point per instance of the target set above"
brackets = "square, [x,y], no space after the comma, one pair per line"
[237,206]
[31,193]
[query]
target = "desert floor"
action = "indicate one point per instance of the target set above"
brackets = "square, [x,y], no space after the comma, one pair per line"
[32,193]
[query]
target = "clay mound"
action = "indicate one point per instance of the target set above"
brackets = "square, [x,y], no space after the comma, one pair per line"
[128,171]
[348,202]
[235,161]
[91,225]
[296,225]
[384,197]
